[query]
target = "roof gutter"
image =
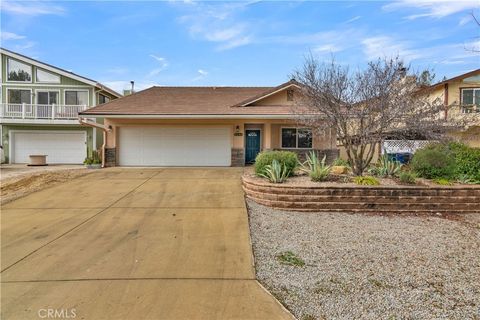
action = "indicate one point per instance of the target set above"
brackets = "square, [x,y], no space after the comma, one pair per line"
[191,116]
[89,123]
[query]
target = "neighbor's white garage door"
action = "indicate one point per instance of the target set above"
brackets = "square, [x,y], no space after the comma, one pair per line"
[67,147]
[174,146]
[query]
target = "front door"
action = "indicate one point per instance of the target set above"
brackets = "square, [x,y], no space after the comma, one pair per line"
[252,145]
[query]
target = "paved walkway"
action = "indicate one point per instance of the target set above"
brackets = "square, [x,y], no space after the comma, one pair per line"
[133,244]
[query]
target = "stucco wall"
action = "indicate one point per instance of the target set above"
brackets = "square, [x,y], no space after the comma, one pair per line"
[270,130]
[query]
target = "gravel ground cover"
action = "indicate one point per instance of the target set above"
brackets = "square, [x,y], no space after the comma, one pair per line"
[368,267]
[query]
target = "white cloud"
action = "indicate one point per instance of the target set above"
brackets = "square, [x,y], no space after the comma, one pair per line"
[465,20]
[202,72]
[332,48]
[353,19]
[433,8]
[217,23]
[201,75]
[387,47]
[4,35]
[163,65]
[33,8]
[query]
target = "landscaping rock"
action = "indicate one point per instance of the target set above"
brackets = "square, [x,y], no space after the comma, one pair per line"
[369,267]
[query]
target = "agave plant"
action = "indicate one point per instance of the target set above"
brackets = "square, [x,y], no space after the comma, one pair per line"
[275,172]
[316,168]
[387,167]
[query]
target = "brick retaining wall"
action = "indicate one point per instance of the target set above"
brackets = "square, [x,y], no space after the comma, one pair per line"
[375,199]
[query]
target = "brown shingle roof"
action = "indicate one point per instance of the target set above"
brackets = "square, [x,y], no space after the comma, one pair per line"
[188,101]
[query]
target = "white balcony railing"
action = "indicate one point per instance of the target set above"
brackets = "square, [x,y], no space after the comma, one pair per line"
[40,111]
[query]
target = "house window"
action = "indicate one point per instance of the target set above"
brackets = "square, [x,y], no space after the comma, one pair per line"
[18,96]
[471,100]
[103,99]
[18,71]
[47,97]
[76,97]
[290,95]
[44,76]
[297,138]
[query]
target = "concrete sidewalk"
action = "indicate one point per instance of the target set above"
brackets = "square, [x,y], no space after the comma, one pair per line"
[134,244]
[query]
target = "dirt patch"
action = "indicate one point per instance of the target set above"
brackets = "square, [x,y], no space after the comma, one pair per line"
[17,187]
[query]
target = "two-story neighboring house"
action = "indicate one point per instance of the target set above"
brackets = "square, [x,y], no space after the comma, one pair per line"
[461,97]
[39,111]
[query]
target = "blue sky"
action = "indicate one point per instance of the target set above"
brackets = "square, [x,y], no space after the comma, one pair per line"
[252,43]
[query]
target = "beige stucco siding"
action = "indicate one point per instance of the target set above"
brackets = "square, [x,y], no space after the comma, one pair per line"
[270,130]
[279,98]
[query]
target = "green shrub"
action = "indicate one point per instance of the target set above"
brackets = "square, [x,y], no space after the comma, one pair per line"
[407,177]
[316,168]
[387,167]
[285,158]
[434,161]
[464,178]
[289,258]
[443,181]
[276,172]
[366,181]
[340,162]
[467,162]
[94,157]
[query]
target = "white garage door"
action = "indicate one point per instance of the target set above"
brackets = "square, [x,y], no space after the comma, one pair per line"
[174,146]
[67,147]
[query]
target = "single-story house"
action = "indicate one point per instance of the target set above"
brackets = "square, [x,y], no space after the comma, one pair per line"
[204,126]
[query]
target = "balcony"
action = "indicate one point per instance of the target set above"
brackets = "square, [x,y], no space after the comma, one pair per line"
[40,113]
[470,109]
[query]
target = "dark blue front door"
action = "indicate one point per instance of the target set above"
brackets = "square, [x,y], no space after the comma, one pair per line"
[252,147]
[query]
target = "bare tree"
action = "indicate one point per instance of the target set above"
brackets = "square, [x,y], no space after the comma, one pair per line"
[366,106]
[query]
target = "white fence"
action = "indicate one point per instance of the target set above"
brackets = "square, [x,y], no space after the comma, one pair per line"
[40,111]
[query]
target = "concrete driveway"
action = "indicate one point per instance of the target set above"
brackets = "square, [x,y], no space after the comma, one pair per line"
[133,244]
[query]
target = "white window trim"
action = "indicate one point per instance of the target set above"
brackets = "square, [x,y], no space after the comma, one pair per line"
[24,89]
[296,140]
[46,90]
[15,88]
[11,81]
[65,95]
[36,77]
[463,106]
[463,89]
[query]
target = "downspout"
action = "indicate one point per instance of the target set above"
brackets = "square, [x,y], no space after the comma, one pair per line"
[445,100]
[89,123]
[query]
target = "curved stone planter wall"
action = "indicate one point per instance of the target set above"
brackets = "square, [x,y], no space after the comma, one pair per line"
[375,199]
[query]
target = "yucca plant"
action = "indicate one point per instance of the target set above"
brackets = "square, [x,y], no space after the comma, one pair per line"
[275,172]
[387,167]
[316,168]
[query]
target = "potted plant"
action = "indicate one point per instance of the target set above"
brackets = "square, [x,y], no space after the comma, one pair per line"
[93,161]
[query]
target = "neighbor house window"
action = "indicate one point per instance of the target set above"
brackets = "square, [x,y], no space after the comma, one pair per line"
[471,100]
[44,76]
[18,96]
[297,138]
[18,71]
[47,97]
[103,99]
[76,97]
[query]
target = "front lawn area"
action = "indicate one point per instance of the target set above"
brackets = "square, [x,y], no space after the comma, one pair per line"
[358,266]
